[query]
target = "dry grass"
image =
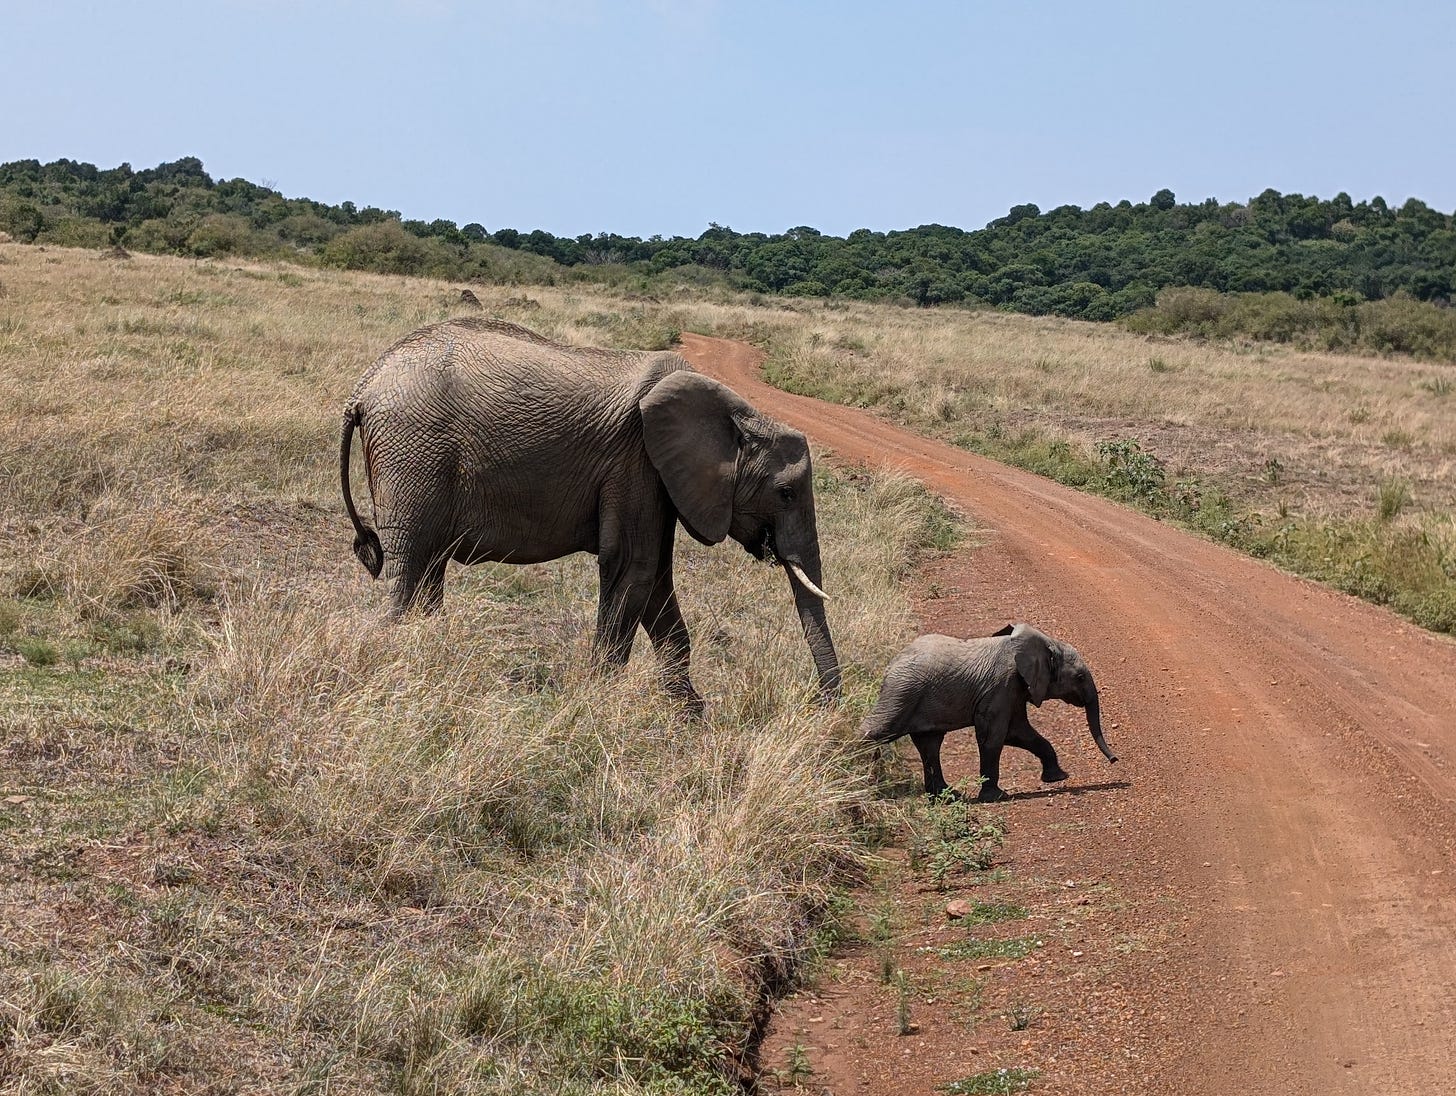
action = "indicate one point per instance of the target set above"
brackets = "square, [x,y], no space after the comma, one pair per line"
[256,840]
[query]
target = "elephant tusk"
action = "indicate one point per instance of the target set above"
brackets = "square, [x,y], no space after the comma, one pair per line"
[798,573]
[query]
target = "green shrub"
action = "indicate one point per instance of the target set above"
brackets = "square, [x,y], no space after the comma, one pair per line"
[1398,324]
[1131,471]
[37,652]
[77,232]
[220,234]
[1393,497]
[385,248]
[1015,948]
[1434,609]
[1181,310]
[995,1082]
[127,634]
[989,913]
[21,219]
[1403,324]
[952,837]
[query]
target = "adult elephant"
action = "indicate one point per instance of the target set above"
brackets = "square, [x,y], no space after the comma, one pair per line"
[484,441]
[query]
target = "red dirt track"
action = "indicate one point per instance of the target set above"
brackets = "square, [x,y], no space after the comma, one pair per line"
[1285,803]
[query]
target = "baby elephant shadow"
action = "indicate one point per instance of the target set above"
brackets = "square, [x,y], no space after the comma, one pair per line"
[1073,789]
[906,789]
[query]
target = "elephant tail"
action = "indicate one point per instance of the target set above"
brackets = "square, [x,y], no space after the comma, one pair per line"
[886,721]
[366,540]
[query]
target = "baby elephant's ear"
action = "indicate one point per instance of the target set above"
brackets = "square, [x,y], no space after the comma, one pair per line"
[1036,664]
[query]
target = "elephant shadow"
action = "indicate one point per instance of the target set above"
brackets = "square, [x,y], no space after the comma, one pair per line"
[1071,789]
[908,788]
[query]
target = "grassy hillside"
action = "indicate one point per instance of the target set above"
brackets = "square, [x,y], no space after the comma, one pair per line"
[254,840]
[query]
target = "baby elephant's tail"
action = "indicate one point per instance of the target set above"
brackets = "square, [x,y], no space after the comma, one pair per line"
[366,540]
[885,723]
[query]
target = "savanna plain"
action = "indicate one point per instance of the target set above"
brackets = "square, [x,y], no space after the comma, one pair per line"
[255,839]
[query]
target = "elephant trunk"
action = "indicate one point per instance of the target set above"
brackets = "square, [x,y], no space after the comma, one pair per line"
[805,578]
[1094,724]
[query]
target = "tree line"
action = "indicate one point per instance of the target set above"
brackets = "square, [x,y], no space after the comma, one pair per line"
[1101,263]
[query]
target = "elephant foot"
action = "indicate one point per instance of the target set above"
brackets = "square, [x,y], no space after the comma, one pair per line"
[680,688]
[691,703]
[1053,775]
[991,793]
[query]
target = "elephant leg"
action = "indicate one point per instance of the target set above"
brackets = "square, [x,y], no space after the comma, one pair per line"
[928,746]
[663,621]
[1026,737]
[626,590]
[990,744]
[419,584]
[616,622]
[665,626]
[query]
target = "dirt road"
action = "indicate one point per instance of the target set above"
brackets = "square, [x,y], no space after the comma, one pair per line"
[1287,793]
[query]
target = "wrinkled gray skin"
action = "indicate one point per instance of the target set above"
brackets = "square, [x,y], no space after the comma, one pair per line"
[939,684]
[484,441]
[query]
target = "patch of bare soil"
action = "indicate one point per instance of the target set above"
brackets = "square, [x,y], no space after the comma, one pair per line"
[1258,898]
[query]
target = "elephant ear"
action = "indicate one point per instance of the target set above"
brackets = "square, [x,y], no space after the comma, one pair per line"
[690,427]
[1038,660]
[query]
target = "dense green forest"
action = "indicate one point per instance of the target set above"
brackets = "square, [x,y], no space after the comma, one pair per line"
[1102,263]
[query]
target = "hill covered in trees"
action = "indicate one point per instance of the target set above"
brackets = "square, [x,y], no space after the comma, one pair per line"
[1099,264]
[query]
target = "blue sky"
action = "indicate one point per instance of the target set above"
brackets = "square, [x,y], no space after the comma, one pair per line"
[659,116]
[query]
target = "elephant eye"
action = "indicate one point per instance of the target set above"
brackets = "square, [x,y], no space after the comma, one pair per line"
[786,493]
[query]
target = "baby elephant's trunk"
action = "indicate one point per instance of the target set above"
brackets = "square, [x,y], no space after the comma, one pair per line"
[1094,724]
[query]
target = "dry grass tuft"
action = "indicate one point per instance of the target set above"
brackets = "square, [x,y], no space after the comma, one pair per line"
[148,557]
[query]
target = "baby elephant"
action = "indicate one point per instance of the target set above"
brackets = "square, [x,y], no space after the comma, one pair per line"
[939,684]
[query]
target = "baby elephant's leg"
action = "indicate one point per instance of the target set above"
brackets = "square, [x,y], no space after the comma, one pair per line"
[1027,737]
[928,746]
[990,741]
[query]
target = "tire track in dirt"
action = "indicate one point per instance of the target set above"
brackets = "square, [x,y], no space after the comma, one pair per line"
[1288,782]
